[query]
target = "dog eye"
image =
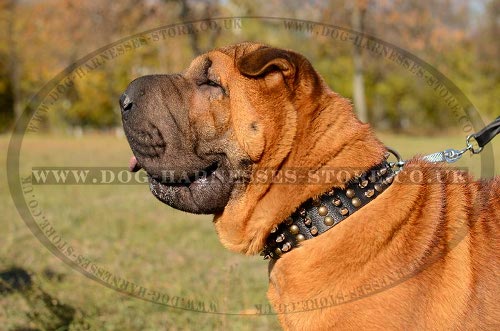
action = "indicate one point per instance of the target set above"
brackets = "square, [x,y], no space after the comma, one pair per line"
[211,83]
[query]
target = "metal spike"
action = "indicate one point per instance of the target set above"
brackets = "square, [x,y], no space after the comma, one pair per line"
[389,179]
[382,172]
[280,238]
[363,183]
[369,193]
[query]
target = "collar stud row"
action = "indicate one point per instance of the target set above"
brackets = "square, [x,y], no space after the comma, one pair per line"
[319,215]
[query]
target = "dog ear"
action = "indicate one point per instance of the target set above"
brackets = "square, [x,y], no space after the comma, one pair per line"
[265,60]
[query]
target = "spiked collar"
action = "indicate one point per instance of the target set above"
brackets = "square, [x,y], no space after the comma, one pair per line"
[316,216]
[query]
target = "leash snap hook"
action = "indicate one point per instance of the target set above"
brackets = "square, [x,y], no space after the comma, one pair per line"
[470,146]
[453,155]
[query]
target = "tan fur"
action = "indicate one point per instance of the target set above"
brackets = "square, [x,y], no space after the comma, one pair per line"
[420,256]
[431,249]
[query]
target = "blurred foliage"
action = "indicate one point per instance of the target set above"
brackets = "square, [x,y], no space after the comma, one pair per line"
[459,38]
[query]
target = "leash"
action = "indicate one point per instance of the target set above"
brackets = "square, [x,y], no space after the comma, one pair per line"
[451,155]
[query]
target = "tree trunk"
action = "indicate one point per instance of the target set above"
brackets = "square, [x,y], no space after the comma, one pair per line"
[14,65]
[359,97]
[211,9]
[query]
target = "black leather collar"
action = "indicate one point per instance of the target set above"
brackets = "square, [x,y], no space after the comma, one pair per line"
[316,216]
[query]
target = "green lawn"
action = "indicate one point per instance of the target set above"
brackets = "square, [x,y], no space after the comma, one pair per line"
[125,230]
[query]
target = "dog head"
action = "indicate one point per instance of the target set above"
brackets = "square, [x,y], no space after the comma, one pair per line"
[203,134]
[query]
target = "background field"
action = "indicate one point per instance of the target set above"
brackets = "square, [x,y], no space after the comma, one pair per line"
[127,231]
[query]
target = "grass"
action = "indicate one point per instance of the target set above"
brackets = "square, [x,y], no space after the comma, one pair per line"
[125,230]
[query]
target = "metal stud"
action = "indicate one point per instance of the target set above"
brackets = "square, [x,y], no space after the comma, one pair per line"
[382,172]
[308,221]
[378,187]
[300,237]
[266,257]
[280,238]
[322,211]
[294,229]
[278,251]
[289,221]
[373,178]
[286,247]
[274,229]
[344,211]
[314,230]
[331,193]
[302,212]
[356,202]
[369,193]
[363,183]
[337,202]
[389,179]
[328,221]
[350,193]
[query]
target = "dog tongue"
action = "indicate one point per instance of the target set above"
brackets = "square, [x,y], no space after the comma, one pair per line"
[133,165]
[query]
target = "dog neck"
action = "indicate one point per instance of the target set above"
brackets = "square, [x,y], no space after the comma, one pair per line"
[316,216]
[331,138]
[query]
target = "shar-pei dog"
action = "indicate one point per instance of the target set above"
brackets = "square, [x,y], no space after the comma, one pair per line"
[253,135]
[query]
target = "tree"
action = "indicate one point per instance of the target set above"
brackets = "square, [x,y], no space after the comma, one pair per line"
[10,106]
[358,17]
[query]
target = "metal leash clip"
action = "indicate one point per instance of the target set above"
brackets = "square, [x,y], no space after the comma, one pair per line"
[453,155]
[470,147]
[448,155]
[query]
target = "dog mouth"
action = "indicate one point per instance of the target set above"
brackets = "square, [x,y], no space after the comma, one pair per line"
[203,191]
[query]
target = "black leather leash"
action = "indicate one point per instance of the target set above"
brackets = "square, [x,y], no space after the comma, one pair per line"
[489,132]
[316,216]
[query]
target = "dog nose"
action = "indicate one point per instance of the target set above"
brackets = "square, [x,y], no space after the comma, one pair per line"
[125,103]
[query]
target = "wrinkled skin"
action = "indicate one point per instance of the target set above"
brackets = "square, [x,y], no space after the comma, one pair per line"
[201,134]
[185,144]
[250,107]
